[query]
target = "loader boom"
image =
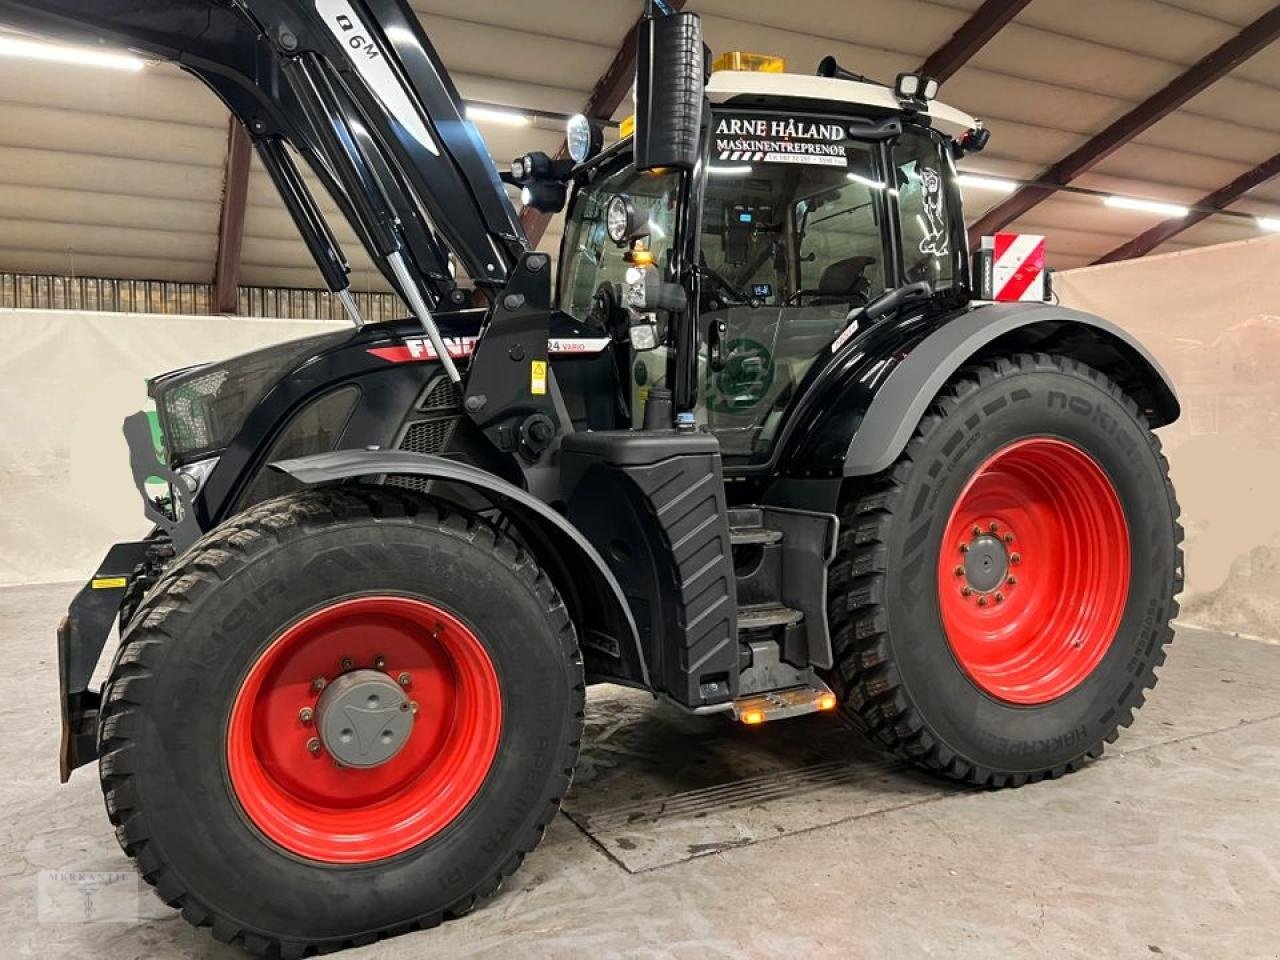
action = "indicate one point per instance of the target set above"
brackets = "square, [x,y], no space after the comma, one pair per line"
[356,88]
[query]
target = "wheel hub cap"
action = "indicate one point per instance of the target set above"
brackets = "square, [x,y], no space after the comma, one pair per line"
[364,718]
[986,563]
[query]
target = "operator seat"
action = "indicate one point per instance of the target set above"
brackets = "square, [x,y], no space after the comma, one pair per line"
[845,282]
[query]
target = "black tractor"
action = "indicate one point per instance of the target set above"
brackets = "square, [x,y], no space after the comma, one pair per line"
[753,445]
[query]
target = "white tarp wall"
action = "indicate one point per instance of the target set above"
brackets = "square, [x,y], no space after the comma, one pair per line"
[1212,317]
[67,381]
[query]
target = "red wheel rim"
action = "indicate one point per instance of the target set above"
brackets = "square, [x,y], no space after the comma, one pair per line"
[1033,573]
[312,806]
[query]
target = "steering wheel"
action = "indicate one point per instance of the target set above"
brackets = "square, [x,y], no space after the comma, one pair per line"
[725,287]
[798,295]
[859,295]
[607,312]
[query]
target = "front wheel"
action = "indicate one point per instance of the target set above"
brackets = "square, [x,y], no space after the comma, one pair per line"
[345,714]
[1002,594]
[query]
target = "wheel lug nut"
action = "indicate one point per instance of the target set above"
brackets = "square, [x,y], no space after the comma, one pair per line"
[959,571]
[318,684]
[404,680]
[347,663]
[380,662]
[977,530]
[966,591]
[999,597]
[413,707]
[1008,538]
[1015,558]
[994,526]
[1012,581]
[982,601]
[964,548]
[313,746]
[305,715]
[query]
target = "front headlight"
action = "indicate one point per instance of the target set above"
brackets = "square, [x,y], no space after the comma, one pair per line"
[194,475]
[583,137]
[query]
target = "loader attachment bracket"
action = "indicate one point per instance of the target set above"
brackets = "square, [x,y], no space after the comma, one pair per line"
[510,391]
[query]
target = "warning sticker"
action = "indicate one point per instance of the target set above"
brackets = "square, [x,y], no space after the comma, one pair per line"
[780,140]
[538,378]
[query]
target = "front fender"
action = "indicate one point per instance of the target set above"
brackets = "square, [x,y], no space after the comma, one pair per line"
[902,400]
[606,628]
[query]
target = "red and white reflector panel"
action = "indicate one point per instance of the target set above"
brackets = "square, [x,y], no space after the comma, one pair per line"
[1018,266]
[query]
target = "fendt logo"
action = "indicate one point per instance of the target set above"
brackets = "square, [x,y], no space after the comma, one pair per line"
[416,348]
[357,41]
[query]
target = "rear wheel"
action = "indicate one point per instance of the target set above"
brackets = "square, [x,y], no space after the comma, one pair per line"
[343,715]
[1002,594]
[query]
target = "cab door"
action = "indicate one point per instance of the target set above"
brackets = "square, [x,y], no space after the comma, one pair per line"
[793,239]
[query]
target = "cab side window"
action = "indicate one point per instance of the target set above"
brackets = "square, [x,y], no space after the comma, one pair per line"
[924,211]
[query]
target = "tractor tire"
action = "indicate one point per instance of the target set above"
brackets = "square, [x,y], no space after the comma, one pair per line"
[345,714]
[1001,596]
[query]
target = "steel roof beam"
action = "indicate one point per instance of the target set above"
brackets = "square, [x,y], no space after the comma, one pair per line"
[235,198]
[988,20]
[1220,199]
[1211,68]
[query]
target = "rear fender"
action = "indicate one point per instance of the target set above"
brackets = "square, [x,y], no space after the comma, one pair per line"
[901,402]
[606,628]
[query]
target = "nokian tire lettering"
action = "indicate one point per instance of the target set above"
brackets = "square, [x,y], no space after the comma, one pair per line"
[167,700]
[897,674]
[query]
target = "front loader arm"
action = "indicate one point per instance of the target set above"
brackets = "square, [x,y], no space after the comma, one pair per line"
[356,87]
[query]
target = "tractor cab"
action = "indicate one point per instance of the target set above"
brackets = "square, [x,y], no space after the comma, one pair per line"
[809,200]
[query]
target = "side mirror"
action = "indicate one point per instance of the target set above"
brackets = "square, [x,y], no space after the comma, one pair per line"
[661,295]
[671,76]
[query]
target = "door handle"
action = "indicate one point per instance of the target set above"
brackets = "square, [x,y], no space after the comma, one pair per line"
[716,334]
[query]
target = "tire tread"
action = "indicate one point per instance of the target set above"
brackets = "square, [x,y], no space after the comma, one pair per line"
[153,628]
[871,693]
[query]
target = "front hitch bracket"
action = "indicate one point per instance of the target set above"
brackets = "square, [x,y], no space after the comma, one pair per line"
[82,635]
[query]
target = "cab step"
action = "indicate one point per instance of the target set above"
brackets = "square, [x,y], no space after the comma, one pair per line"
[760,616]
[746,526]
[742,536]
[781,704]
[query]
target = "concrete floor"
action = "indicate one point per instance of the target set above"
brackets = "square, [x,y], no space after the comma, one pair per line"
[695,838]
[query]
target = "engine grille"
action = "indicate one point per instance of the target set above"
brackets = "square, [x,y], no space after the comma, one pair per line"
[441,394]
[429,436]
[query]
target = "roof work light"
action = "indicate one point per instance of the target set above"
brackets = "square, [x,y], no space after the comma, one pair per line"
[915,87]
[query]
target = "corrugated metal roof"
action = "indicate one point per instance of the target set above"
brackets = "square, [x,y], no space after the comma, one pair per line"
[121,175]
